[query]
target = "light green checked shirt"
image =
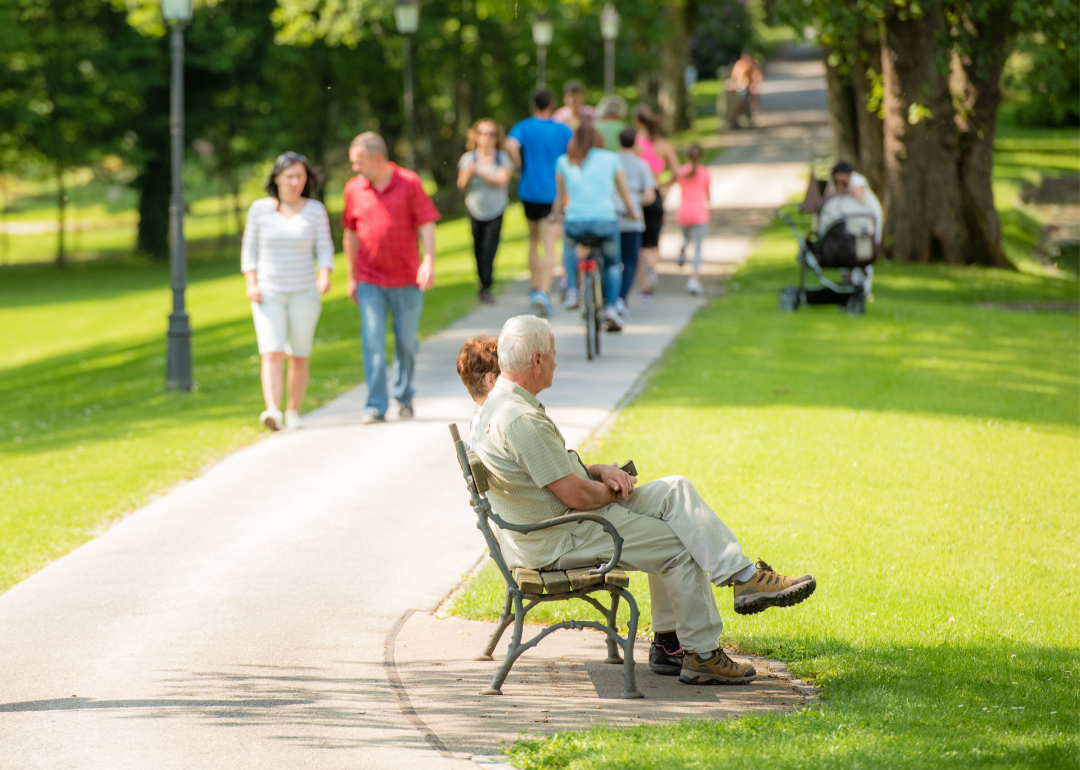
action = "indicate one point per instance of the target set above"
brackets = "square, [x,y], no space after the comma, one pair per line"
[523,452]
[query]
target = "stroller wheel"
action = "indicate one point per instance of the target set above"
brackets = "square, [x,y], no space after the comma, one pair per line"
[789,299]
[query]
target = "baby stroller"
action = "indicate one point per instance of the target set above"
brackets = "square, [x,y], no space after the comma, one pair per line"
[844,239]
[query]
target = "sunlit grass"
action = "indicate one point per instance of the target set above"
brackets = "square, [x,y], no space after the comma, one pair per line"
[921,461]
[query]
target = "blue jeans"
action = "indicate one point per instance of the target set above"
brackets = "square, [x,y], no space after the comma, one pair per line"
[405,305]
[630,248]
[612,266]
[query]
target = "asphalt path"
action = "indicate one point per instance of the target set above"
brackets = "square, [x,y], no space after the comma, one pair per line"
[240,620]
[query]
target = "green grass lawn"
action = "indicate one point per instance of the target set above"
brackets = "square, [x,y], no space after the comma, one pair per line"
[922,462]
[87,431]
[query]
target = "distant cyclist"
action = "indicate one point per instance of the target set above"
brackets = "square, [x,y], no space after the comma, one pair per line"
[591,175]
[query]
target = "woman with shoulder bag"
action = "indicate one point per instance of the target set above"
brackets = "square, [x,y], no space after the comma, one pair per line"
[484,172]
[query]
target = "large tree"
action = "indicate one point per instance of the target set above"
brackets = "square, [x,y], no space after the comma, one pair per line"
[932,72]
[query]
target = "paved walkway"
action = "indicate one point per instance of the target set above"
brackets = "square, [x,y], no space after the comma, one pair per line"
[240,620]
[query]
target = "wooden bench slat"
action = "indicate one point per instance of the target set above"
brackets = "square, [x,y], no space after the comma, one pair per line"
[618,578]
[580,577]
[556,582]
[528,580]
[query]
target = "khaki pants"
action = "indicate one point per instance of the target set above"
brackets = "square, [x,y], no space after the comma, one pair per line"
[670,532]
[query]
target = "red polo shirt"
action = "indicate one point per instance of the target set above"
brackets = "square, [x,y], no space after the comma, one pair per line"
[386,225]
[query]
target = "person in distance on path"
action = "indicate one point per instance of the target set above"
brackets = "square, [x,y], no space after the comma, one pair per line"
[535,144]
[385,208]
[668,529]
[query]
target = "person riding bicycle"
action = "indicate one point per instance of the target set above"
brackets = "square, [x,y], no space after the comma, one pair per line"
[591,175]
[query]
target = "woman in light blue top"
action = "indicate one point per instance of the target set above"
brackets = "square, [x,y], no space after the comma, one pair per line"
[590,176]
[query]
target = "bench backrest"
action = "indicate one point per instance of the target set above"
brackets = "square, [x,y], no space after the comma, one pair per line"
[476,480]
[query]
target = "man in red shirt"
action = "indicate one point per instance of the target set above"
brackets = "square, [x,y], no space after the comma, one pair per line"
[385,208]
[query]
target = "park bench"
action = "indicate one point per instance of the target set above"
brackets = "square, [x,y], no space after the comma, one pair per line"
[526,588]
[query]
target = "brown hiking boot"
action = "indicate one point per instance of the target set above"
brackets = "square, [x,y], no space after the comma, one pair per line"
[719,669]
[771,589]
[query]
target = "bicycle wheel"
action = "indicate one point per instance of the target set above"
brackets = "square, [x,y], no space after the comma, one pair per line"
[588,312]
[598,301]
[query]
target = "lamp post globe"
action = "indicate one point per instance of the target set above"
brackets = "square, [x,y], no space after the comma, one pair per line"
[543,30]
[609,30]
[173,11]
[407,18]
[178,376]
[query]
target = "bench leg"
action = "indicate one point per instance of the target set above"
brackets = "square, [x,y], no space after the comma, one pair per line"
[630,689]
[504,620]
[612,621]
[514,649]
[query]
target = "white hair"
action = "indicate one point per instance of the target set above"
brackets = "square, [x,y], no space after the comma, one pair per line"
[520,337]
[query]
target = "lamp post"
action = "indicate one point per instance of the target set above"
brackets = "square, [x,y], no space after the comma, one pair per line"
[407,18]
[609,30]
[177,14]
[543,29]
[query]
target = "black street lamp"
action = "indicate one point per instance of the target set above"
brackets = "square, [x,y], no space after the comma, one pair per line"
[177,14]
[543,29]
[609,30]
[407,17]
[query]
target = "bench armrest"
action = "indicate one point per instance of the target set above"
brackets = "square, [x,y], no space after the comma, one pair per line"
[570,518]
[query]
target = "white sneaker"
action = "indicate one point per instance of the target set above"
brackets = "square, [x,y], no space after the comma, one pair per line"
[614,321]
[621,308]
[571,299]
[293,421]
[694,287]
[272,419]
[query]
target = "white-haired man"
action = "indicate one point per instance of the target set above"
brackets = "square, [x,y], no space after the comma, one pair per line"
[668,530]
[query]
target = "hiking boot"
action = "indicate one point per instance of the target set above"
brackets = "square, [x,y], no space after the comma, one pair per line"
[371,416]
[771,589]
[719,669]
[665,663]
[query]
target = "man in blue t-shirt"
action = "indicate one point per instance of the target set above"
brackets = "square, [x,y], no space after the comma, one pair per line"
[535,144]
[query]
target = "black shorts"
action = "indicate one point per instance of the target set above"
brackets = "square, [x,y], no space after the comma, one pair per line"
[535,211]
[654,221]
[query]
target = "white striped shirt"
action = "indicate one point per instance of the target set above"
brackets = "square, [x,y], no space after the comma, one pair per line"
[281,249]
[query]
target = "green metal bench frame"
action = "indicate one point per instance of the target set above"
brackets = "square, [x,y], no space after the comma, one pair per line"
[518,602]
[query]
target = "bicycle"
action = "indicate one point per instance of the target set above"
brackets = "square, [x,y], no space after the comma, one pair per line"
[591,291]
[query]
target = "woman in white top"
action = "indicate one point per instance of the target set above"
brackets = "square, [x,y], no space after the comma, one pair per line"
[285,236]
[484,173]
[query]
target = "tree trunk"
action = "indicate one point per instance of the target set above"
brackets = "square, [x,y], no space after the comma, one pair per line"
[673,98]
[871,131]
[61,200]
[980,79]
[234,188]
[923,218]
[843,107]
[154,189]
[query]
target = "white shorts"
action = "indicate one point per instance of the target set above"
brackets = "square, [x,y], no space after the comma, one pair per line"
[285,321]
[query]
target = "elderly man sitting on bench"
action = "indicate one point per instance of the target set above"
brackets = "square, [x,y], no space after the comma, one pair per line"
[668,530]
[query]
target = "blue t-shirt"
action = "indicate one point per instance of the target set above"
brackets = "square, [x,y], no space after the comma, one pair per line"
[542,142]
[591,186]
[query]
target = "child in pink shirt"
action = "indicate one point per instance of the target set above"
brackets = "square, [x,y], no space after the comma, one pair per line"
[693,179]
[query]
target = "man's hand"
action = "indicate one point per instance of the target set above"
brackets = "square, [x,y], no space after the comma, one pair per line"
[350,286]
[620,482]
[425,276]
